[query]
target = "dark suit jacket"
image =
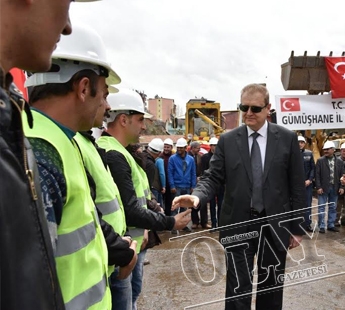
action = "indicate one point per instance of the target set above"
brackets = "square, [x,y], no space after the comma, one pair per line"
[283,184]
[322,175]
[205,161]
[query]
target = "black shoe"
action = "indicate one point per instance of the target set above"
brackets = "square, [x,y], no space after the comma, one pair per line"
[334,229]
[174,232]
[337,224]
[146,262]
[322,230]
[187,229]
[309,228]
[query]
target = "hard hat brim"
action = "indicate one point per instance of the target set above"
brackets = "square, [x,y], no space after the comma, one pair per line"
[113,78]
[112,89]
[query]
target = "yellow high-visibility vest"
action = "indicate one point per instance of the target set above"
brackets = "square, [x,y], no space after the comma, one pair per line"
[139,178]
[81,252]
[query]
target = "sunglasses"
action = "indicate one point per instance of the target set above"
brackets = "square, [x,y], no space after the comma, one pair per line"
[253,108]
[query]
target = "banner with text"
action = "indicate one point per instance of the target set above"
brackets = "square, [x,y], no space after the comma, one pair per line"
[310,112]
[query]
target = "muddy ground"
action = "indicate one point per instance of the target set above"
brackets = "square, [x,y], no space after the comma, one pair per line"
[172,280]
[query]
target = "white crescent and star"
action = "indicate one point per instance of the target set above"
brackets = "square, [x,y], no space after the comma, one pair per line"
[338,64]
[284,105]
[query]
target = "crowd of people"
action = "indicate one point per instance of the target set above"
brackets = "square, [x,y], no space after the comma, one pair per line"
[176,172]
[77,215]
[74,217]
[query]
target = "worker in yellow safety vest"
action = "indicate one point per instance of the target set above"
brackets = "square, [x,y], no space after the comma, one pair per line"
[108,202]
[124,126]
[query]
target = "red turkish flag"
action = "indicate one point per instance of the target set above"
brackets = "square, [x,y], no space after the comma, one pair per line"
[336,73]
[290,105]
[19,79]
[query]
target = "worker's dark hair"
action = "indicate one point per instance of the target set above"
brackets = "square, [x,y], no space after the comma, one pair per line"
[61,89]
[256,88]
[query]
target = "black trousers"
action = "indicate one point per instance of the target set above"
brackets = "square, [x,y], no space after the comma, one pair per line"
[270,264]
[203,215]
[168,198]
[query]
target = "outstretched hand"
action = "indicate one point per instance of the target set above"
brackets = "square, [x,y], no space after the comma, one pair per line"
[182,219]
[185,201]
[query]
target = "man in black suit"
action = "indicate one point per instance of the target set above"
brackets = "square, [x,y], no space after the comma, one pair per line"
[278,189]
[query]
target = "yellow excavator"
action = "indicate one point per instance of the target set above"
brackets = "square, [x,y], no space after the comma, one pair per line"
[203,119]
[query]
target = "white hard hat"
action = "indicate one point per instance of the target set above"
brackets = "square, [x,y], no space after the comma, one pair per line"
[328,145]
[125,101]
[213,141]
[301,138]
[83,49]
[342,146]
[169,141]
[181,142]
[156,145]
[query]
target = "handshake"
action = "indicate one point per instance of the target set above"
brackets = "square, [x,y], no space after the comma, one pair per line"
[183,201]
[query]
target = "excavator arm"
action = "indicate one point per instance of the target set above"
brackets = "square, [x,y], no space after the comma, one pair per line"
[218,129]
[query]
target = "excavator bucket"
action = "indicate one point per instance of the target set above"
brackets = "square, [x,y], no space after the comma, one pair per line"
[305,73]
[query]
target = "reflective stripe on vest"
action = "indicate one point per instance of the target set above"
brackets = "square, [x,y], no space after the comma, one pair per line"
[136,232]
[108,199]
[108,207]
[139,179]
[81,248]
[147,192]
[75,240]
[87,299]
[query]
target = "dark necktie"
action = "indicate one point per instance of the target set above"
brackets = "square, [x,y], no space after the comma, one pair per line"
[255,158]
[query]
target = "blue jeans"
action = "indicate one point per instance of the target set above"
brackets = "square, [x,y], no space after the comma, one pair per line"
[180,191]
[137,278]
[158,196]
[121,292]
[309,192]
[331,197]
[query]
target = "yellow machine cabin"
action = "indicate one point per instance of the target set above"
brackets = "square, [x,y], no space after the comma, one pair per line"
[203,119]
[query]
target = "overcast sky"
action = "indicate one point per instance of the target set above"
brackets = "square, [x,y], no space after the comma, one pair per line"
[181,49]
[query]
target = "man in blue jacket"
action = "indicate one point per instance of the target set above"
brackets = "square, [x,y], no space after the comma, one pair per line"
[181,173]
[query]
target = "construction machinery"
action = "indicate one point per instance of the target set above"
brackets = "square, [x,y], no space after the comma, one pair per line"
[203,119]
[309,73]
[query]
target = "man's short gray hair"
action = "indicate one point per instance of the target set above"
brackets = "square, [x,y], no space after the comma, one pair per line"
[194,144]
